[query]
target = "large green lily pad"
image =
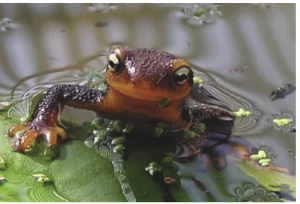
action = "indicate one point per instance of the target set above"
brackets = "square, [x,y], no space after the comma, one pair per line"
[81,174]
[78,174]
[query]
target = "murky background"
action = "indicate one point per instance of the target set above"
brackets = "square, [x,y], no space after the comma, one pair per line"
[247,50]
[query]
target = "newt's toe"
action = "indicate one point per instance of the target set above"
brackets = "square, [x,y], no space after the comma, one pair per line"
[21,143]
[23,140]
[15,129]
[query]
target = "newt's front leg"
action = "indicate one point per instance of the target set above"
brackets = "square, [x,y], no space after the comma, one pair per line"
[45,116]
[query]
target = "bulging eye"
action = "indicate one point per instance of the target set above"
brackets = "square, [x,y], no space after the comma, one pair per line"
[114,62]
[181,75]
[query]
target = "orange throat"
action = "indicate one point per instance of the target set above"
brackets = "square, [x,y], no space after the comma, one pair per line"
[119,106]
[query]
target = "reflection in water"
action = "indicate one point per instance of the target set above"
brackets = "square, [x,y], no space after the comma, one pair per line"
[51,41]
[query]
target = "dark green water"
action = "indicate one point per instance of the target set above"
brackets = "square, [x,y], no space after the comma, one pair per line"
[49,43]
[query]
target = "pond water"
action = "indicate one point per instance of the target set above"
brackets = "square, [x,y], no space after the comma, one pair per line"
[245,50]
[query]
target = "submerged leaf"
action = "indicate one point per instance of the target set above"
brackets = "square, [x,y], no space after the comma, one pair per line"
[167,159]
[270,179]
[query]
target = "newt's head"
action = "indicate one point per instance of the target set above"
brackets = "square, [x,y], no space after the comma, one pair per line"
[148,74]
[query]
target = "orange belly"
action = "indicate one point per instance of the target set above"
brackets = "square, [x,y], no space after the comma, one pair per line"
[119,106]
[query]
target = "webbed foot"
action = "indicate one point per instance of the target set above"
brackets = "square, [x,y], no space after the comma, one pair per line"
[25,134]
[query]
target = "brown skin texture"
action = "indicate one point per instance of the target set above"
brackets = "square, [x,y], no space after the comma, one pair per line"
[143,78]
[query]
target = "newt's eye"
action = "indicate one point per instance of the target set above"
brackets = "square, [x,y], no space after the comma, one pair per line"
[181,75]
[114,63]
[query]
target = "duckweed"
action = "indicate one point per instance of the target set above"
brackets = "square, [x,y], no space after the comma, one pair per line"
[97,139]
[97,122]
[282,122]
[167,159]
[107,139]
[117,126]
[197,80]
[188,134]
[128,128]
[264,162]
[42,178]
[260,155]
[242,113]
[87,126]
[118,148]
[160,128]
[199,128]
[152,168]
[118,140]
[163,103]
[159,131]
[255,157]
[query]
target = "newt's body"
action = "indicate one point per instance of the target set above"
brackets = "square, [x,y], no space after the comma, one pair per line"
[137,81]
